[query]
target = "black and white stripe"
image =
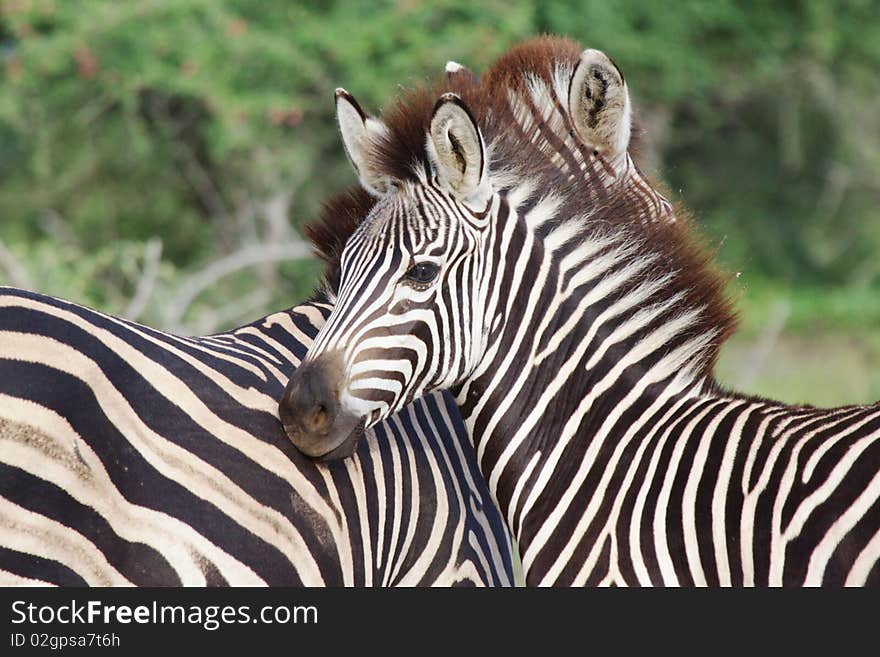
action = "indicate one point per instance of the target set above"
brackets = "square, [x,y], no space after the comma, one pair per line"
[132,456]
[577,326]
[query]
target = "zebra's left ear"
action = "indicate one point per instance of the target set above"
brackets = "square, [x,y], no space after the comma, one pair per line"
[358,131]
[598,102]
[454,71]
[457,151]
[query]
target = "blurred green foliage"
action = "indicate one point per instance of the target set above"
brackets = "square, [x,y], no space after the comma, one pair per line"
[132,118]
[209,123]
[805,344]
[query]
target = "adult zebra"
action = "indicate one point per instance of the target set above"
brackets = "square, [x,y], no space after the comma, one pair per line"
[512,252]
[132,456]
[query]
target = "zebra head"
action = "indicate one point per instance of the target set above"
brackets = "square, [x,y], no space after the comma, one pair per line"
[418,297]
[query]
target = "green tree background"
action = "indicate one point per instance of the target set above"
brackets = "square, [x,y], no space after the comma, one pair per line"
[158,156]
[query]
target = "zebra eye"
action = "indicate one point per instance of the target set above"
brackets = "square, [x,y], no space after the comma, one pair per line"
[422,273]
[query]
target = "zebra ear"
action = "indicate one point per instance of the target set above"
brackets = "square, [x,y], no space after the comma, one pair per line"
[598,101]
[358,130]
[455,71]
[457,151]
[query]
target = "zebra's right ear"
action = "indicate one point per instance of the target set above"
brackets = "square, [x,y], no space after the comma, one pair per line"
[457,151]
[358,130]
[598,102]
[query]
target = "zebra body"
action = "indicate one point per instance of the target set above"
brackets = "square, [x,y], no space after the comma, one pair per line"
[512,253]
[132,456]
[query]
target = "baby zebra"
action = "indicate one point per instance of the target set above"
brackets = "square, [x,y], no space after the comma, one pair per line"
[506,248]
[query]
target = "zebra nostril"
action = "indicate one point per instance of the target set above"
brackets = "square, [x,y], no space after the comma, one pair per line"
[320,418]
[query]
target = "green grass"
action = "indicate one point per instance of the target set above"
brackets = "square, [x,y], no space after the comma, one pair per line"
[811,309]
[807,345]
[823,369]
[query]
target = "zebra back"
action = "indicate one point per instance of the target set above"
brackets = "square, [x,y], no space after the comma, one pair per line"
[133,456]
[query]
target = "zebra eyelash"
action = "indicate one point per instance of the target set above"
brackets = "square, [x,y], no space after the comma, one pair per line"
[421,275]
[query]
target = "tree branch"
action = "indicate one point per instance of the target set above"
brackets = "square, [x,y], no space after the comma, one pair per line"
[147,282]
[234,312]
[248,256]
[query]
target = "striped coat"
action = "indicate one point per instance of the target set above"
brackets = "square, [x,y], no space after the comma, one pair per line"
[132,456]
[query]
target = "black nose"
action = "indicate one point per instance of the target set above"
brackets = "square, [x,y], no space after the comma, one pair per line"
[309,406]
[313,417]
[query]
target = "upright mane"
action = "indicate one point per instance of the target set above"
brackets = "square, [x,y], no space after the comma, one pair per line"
[340,216]
[519,105]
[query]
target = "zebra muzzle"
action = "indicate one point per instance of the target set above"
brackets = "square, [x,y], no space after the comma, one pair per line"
[312,416]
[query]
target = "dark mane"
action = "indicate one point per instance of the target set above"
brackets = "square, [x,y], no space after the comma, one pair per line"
[402,152]
[402,155]
[537,56]
[341,214]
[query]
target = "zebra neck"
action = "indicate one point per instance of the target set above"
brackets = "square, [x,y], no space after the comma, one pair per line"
[541,445]
[581,345]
